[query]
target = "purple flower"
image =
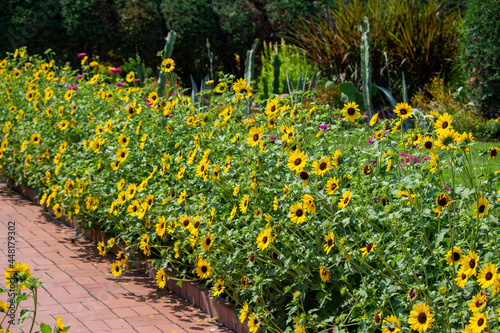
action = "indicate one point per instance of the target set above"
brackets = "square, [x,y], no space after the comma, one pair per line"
[273,138]
[365,116]
[118,84]
[79,55]
[79,76]
[118,70]
[373,162]
[324,127]
[370,141]
[124,83]
[72,87]
[149,104]
[137,80]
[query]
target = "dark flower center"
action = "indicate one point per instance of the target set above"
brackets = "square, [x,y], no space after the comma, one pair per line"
[367,170]
[123,155]
[264,240]
[322,166]
[472,263]
[304,175]
[273,108]
[204,269]
[271,122]
[369,247]
[488,276]
[384,201]
[134,208]
[481,209]
[480,322]
[243,91]
[330,242]
[299,213]
[403,111]
[428,145]
[456,256]
[346,201]
[186,223]
[493,152]
[478,304]
[422,318]
[444,125]
[351,111]
[252,257]
[298,161]
[442,201]
[168,65]
[464,276]
[256,137]
[208,241]
[197,225]
[333,187]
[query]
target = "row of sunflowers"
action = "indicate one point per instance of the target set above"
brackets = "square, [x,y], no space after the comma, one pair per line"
[309,219]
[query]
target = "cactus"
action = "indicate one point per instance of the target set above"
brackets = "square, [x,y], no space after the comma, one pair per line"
[167,53]
[366,70]
[250,63]
[276,74]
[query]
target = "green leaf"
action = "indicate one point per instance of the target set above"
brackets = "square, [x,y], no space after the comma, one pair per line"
[44,328]
[25,314]
[179,283]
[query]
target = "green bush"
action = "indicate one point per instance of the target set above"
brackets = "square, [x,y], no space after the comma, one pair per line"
[480,55]
[410,37]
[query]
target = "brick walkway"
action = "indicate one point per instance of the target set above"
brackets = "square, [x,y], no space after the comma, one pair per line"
[79,286]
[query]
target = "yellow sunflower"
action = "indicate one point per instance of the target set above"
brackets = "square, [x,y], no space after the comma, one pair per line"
[325,275]
[322,166]
[453,256]
[221,88]
[161,278]
[298,214]
[167,65]
[17,273]
[446,138]
[391,325]
[428,143]
[469,263]
[218,288]
[243,312]
[367,249]
[478,322]
[478,302]
[254,136]
[264,239]
[492,153]
[443,122]
[297,161]
[207,242]
[443,200]
[244,203]
[346,198]
[242,88]
[116,268]
[351,111]
[203,269]
[403,110]
[462,277]
[36,139]
[420,318]
[481,207]
[487,275]
[253,323]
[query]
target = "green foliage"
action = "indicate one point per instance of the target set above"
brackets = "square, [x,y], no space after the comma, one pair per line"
[418,39]
[480,55]
[278,60]
[366,65]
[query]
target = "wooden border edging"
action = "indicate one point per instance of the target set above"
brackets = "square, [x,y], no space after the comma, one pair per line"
[198,295]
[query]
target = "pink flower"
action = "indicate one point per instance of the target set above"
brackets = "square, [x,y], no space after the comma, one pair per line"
[118,84]
[72,87]
[365,116]
[79,55]
[137,80]
[149,104]
[324,127]
[273,138]
[79,76]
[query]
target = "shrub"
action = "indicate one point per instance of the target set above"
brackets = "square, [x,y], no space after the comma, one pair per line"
[418,39]
[481,55]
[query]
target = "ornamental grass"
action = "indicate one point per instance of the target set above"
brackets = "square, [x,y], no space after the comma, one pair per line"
[316,221]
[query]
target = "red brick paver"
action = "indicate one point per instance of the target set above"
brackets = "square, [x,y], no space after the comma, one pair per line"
[79,286]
